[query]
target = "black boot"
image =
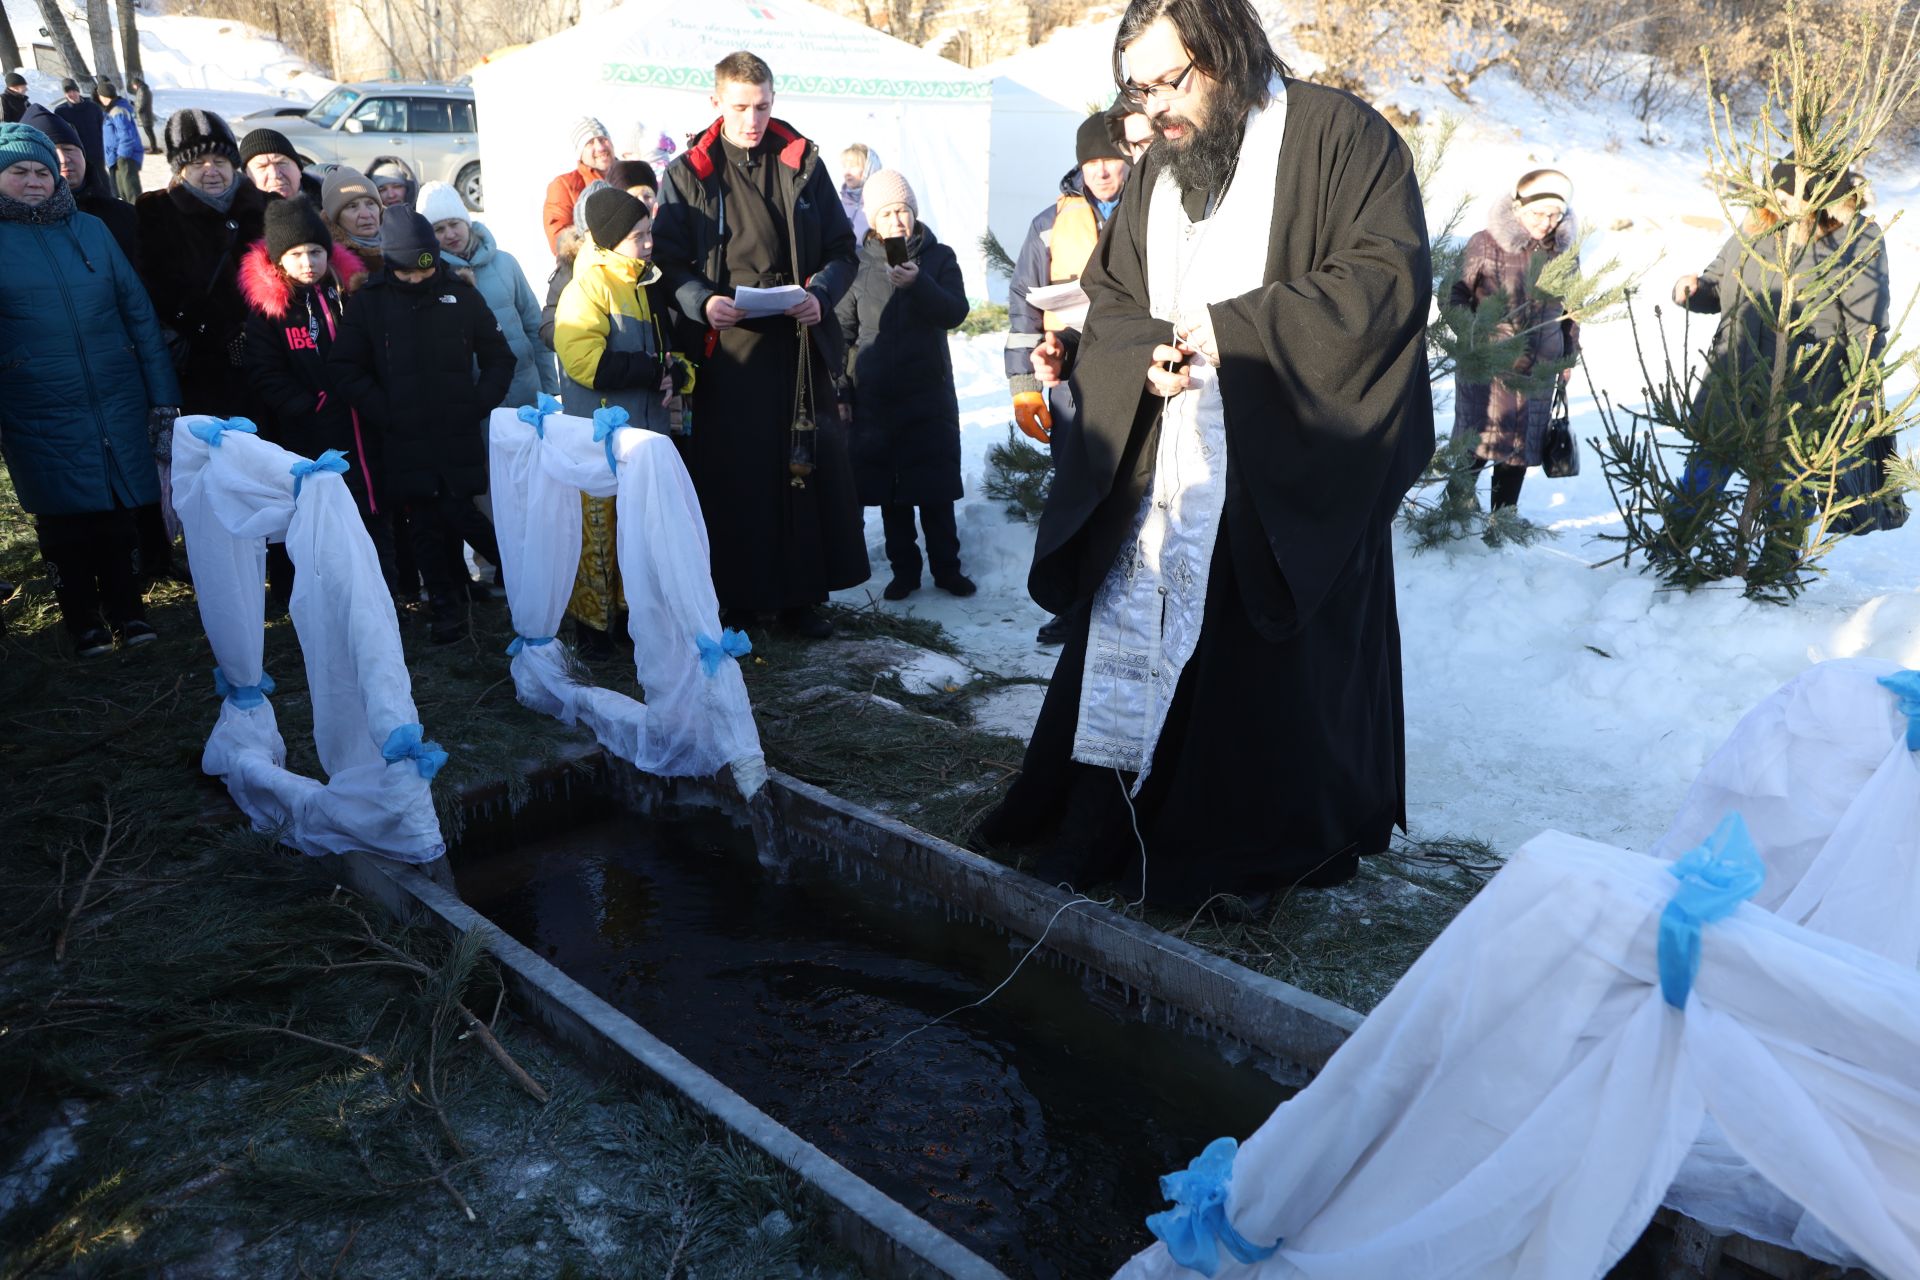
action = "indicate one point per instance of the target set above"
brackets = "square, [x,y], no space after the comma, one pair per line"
[807,622]
[449,620]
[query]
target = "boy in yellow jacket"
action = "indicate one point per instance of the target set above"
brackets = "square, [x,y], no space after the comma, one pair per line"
[611,332]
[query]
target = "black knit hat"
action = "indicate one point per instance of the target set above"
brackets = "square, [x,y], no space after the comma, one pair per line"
[104,88]
[627,174]
[15,80]
[68,86]
[611,215]
[294,222]
[407,240]
[57,130]
[1095,142]
[267,142]
[193,134]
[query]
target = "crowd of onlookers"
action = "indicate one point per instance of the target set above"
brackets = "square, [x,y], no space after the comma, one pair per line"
[365,313]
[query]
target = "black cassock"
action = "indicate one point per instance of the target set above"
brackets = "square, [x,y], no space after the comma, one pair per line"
[729,218]
[1283,756]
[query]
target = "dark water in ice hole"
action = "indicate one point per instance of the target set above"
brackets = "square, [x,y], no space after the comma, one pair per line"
[1033,1130]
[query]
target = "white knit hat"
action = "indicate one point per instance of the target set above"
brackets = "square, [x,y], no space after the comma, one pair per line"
[438,201]
[585,130]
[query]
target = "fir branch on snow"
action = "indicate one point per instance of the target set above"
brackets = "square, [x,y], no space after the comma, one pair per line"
[1442,507]
[1019,475]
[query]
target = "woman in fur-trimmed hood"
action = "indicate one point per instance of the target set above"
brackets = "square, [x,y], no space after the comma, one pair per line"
[1524,232]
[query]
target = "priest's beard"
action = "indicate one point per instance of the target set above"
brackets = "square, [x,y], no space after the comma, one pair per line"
[1204,159]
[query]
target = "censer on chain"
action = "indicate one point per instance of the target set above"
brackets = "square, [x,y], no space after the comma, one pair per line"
[800,455]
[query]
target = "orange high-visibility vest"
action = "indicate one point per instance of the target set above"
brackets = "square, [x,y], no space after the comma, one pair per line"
[1075,232]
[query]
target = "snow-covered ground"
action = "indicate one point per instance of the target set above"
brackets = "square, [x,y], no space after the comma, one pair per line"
[1543,688]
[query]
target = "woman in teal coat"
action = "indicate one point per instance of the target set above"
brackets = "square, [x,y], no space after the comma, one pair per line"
[84,373]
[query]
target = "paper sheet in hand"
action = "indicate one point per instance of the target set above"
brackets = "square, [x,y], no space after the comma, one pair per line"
[768,302]
[1066,300]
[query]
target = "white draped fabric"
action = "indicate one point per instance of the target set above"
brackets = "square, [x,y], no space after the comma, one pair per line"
[1521,1101]
[696,719]
[233,497]
[1823,775]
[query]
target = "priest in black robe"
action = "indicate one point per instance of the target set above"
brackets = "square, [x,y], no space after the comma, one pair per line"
[749,204]
[1279,756]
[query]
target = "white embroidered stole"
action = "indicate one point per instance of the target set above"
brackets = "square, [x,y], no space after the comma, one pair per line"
[1147,615]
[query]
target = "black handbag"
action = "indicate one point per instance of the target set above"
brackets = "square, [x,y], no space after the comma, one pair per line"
[1560,454]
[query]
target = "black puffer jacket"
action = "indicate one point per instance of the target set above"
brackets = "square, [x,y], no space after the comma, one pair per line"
[191,254]
[424,365]
[906,422]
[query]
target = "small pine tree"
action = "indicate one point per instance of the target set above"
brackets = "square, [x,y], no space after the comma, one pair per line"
[1019,475]
[1735,472]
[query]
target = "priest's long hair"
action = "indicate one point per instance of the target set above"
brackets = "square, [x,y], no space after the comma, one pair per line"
[1225,38]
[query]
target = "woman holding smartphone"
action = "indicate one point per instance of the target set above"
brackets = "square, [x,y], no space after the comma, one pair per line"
[900,404]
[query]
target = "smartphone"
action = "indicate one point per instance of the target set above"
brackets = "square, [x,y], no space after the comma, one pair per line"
[896,250]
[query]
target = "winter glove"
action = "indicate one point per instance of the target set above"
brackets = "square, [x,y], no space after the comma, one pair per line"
[1030,411]
[160,430]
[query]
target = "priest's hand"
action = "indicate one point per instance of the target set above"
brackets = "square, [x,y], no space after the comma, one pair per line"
[1198,339]
[1684,289]
[807,311]
[1163,380]
[1049,361]
[723,312]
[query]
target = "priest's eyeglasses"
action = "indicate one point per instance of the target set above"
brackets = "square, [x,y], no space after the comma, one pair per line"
[1158,88]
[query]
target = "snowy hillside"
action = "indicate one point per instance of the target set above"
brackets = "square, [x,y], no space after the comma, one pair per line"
[1543,689]
[217,63]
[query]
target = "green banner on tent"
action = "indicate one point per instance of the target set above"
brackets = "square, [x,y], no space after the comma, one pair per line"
[700,80]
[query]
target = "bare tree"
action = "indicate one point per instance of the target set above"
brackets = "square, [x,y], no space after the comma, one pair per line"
[62,34]
[129,37]
[9,47]
[100,35]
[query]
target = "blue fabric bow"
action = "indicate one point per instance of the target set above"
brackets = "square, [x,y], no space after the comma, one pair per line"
[605,422]
[211,429]
[521,642]
[1714,878]
[406,742]
[1194,1232]
[1906,687]
[535,416]
[332,460]
[731,644]
[244,696]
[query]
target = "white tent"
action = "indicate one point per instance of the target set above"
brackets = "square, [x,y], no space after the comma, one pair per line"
[835,80]
[1040,96]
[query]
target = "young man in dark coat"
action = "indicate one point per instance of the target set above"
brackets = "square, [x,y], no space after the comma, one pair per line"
[406,356]
[750,204]
[143,110]
[905,418]
[119,216]
[1254,404]
[14,101]
[194,234]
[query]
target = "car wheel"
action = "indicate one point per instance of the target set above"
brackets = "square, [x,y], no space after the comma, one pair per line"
[468,185]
